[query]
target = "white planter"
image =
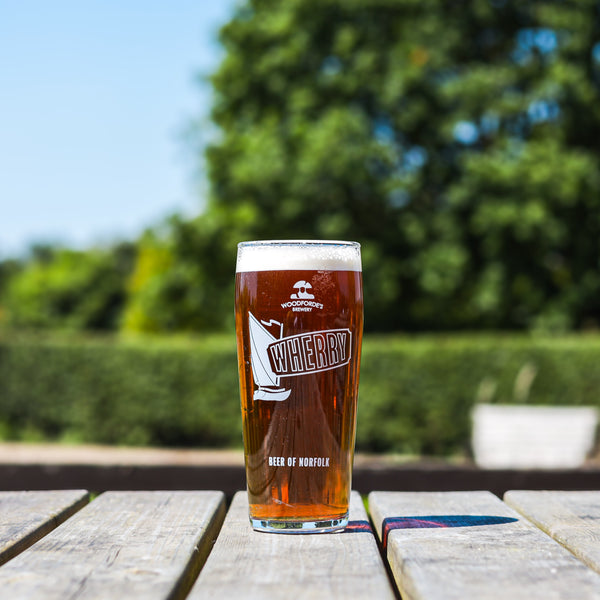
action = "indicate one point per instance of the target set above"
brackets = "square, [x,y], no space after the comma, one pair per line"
[532,437]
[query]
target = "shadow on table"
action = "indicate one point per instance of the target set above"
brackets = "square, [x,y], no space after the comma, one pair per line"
[440,521]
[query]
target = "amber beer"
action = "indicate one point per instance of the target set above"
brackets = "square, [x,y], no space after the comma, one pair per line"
[299,316]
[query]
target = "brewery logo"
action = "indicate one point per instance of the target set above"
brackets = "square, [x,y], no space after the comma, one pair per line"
[302,300]
[274,356]
[302,286]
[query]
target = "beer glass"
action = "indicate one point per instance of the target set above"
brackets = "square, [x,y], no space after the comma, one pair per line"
[299,317]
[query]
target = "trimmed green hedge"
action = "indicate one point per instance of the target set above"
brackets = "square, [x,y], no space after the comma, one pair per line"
[416,394]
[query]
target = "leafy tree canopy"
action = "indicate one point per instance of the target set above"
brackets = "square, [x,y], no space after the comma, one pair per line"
[458,141]
[67,289]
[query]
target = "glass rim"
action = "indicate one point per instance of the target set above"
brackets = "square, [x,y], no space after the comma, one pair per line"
[298,243]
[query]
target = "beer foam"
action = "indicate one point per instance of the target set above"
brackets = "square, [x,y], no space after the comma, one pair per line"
[298,255]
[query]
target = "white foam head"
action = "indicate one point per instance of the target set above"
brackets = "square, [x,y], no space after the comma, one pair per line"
[298,255]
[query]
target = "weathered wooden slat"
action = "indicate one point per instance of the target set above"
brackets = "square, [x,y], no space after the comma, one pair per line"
[462,545]
[248,564]
[122,545]
[571,518]
[25,517]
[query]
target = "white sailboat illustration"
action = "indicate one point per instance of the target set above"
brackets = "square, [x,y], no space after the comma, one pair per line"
[264,377]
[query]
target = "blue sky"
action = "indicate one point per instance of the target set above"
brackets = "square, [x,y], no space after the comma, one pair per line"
[95,97]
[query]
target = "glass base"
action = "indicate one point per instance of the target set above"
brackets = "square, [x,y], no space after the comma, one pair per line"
[290,526]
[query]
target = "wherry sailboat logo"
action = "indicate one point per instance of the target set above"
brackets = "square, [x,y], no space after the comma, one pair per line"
[274,356]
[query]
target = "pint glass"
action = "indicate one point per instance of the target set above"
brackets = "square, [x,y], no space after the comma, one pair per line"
[299,316]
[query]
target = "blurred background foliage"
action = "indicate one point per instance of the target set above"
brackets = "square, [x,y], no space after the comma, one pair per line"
[459,142]
[59,288]
[416,392]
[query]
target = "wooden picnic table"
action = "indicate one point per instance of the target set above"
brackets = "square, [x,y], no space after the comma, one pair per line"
[189,544]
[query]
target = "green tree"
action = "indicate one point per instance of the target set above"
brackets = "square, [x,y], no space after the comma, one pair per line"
[68,289]
[458,141]
[183,278]
[145,310]
[8,269]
